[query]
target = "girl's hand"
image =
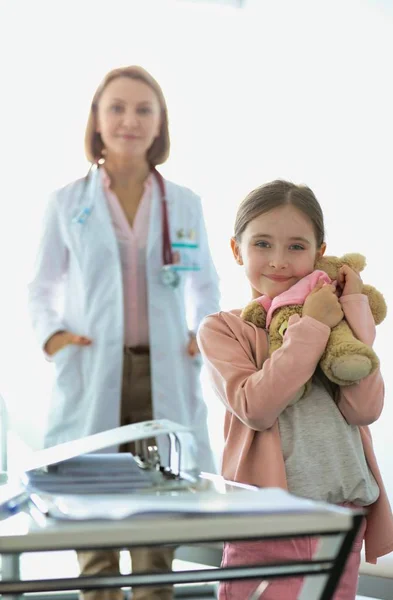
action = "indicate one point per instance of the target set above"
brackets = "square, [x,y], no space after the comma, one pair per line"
[323,305]
[348,281]
[192,348]
[61,339]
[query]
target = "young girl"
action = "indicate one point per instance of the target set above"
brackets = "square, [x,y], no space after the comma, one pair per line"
[320,447]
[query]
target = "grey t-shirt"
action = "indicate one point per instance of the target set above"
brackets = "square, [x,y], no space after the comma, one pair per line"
[324,456]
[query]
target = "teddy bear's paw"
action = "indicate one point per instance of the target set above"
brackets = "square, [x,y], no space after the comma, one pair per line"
[254,313]
[350,369]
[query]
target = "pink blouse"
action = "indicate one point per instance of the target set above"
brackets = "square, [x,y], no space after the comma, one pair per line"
[132,243]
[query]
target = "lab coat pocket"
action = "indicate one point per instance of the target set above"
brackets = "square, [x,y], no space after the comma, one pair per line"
[197,362]
[64,351]
[68,368]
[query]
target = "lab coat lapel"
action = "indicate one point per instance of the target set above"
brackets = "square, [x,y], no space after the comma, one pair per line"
[102,219]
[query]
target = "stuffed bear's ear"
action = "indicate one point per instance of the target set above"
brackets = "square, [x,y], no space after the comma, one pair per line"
[254,313]
[332,264]
[356,261]
[329,264]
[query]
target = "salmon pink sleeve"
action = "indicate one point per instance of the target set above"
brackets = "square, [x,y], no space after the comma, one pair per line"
[255,395]
[361,403]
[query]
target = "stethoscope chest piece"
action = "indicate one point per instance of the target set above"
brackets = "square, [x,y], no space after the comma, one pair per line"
[169,276]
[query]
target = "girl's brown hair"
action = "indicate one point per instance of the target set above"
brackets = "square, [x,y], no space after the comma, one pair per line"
[279,193]
[94,146]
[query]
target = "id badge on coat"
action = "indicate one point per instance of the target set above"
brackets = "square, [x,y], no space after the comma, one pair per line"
[185,251]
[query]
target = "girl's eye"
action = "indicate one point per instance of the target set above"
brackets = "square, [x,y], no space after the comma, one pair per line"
[297,247]
[263,244]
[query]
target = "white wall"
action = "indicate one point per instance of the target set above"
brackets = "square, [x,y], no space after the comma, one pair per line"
[300,90]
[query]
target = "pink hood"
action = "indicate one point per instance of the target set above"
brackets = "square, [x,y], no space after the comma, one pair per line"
[295,295]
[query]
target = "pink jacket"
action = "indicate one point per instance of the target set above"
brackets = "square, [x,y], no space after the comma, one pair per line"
[255,389]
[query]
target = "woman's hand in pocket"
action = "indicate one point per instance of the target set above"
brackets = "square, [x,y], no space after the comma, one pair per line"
[192,347]
[61,339]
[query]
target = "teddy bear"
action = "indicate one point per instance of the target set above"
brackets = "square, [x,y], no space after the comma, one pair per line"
[346,359]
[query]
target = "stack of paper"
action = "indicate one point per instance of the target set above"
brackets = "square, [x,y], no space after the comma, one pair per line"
[93,474]
[74,467]
[105,439]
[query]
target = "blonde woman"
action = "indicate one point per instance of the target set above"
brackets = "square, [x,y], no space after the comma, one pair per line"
[127,254]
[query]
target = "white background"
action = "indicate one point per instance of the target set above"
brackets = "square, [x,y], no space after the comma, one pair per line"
[299,90]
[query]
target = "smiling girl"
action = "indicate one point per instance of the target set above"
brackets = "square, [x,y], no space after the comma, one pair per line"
[320,446]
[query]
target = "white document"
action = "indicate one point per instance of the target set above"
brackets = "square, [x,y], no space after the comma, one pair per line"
[115,507]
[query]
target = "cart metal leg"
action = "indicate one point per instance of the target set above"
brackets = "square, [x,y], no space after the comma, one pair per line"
[10,570]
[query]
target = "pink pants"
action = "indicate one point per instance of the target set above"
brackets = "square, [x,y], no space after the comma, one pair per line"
[243,553]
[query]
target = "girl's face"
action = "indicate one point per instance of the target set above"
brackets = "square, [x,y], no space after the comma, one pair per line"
[277,249]
[128,118]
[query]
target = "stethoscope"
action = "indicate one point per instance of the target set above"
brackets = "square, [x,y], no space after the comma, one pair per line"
[169,275]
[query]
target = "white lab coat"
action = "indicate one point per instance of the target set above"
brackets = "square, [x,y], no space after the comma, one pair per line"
[77,286]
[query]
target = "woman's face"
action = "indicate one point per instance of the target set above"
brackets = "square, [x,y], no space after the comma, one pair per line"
[128,118]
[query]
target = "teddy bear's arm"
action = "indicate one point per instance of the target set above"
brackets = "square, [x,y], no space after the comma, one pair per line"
[254,313]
